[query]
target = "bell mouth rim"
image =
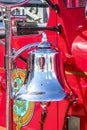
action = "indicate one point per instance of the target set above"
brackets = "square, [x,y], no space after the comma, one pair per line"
[40,97]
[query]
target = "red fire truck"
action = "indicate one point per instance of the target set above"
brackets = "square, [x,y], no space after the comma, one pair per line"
[43,66]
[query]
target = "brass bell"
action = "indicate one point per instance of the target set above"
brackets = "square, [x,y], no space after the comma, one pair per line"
[41,81]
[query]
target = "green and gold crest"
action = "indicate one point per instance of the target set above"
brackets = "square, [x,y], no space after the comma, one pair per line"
[22,110]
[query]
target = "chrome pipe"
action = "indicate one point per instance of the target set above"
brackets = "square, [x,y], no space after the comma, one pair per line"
[8,63]
[24,48]
[8,58]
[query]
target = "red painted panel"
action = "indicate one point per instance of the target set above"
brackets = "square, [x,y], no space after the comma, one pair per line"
[72,43]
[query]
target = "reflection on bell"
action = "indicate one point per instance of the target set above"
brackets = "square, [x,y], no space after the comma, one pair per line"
[42,83]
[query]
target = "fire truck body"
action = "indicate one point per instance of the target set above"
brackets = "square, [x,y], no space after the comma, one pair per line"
[66,28]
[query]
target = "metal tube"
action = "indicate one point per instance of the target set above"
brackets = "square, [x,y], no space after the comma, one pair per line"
[24,48]
[8,61]
[8,64]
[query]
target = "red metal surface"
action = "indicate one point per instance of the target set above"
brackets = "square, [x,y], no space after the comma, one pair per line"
[72,43]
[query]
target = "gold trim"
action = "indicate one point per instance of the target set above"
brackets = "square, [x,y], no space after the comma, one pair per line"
[76,73]
[2,68]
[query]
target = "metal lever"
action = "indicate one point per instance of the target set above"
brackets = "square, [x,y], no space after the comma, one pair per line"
[54,6]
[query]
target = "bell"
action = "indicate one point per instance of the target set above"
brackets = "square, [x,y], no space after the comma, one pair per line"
[41,82]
